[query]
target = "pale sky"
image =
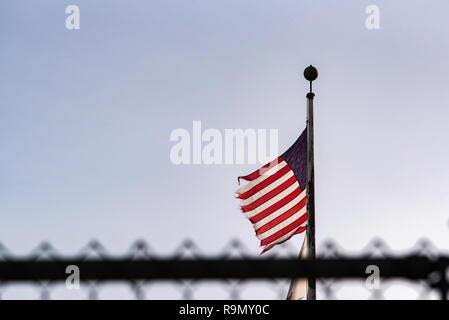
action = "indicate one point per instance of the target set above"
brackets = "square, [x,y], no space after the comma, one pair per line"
[86,116]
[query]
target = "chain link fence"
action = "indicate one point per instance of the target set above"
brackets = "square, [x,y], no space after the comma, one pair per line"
[235,273]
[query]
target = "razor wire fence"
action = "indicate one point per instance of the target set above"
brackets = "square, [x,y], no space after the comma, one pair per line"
[234,273]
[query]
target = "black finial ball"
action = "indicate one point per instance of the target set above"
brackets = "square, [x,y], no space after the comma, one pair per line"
[310,73]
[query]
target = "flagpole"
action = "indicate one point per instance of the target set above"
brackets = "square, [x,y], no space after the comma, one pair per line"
[310,73]
[306,288]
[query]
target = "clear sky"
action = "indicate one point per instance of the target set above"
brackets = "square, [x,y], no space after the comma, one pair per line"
[86,115]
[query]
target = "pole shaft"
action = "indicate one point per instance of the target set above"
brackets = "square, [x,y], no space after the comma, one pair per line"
[310,193]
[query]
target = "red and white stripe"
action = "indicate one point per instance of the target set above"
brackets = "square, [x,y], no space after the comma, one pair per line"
[274,202]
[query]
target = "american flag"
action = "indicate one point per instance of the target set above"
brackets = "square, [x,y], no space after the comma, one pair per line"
[275,199]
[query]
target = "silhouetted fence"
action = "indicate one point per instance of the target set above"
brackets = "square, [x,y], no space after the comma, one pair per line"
[44,267]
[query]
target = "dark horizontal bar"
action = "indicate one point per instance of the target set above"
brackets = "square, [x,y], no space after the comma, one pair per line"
[169,269]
